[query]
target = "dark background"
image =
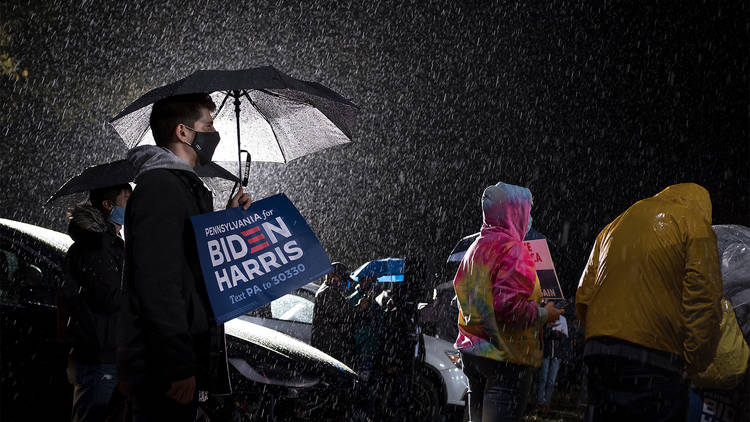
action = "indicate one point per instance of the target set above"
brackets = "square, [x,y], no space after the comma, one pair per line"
[592,105]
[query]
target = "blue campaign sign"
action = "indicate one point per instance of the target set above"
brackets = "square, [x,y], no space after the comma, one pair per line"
[252,257]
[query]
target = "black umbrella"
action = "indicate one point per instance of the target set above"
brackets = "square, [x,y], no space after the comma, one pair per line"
[462,246]
[277,118]
[120,172]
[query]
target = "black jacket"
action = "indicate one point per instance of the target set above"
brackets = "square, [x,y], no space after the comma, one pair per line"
[167,330]
[332,324]
[90,292]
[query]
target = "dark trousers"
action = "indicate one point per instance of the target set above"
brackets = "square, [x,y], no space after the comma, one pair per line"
[620,389]
[93,388]
[498,391]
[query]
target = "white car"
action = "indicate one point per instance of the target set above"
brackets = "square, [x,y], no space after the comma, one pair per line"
[439,385]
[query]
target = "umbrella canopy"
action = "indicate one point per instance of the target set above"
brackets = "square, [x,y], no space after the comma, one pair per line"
[120,172]
[733,244]
[277,118]
[462,246]
[386,270]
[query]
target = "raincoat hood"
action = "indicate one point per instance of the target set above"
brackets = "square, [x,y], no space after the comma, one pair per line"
[150,157]
[689,195]
[507,208]
[87,223]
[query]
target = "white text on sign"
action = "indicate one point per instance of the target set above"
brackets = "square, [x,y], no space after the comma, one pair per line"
[236,248]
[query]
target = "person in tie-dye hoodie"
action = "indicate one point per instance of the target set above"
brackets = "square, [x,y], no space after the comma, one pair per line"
[499,318]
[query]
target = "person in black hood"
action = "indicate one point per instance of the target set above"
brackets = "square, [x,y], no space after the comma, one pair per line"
[169,345]
[90,299]
[332,317]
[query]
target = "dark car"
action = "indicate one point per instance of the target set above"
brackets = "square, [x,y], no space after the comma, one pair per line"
[274,376]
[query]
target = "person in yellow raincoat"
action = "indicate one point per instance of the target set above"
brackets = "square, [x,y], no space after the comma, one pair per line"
[649,300]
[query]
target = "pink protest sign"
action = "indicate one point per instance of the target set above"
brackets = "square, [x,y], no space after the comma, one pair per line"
[545,269]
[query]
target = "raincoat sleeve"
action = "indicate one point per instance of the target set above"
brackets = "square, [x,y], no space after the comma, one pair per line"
[585,291]
[701,297]
[512,286]
[157,244]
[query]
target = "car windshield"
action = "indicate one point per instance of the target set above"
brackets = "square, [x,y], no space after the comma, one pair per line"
[292,308]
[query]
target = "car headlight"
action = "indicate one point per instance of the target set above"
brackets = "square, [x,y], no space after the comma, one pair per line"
[455,357]
[273,376]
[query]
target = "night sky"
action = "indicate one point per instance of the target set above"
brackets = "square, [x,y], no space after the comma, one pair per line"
[592,107]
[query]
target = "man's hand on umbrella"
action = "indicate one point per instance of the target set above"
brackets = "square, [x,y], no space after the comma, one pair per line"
[241,198]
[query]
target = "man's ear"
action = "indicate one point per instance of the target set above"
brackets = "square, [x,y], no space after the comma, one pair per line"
[181,133]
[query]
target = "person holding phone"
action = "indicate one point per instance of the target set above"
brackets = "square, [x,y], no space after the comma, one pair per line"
[500,319]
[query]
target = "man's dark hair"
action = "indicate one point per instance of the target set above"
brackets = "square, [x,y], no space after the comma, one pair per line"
[97,196]
[169,112]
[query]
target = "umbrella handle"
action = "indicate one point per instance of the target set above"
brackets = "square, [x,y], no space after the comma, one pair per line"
[248,161]
[245,179]
[236,95]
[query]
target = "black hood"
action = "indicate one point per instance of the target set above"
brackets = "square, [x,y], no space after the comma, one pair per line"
[87,224]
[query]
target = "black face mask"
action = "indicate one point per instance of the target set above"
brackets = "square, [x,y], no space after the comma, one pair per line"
[205,144]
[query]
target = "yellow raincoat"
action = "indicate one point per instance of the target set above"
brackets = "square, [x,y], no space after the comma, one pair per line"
[653,277]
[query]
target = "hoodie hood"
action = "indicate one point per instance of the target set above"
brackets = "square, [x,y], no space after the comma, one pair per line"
[150,157]
[87,223]
[507,208]
[690,195]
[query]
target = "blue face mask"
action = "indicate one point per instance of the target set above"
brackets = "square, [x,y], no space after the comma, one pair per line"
[117,215]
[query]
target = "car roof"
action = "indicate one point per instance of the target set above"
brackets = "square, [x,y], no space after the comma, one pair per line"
[52,238]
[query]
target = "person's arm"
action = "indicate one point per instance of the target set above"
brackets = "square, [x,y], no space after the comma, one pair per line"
[103,276]
[512,285]
[701,298]
[155,239]
[70,292]
[585,291]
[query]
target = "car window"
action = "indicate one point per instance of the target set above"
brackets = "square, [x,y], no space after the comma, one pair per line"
[262,312]
[23,280]
[292,308]
[8,269]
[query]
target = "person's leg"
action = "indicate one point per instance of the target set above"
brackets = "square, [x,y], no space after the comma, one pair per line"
[93,385]
[554,366]
[624,390]
[474,374]
[77,377]
[506,393]
[542,381]
[364,368]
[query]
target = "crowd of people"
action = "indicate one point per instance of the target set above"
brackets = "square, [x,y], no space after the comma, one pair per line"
[648,302]
[373,332]
[141,331]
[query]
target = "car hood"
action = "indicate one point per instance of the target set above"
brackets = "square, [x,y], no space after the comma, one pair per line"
[265,349]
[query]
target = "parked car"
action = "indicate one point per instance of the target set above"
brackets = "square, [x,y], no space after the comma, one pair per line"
[439,385]
[275,377]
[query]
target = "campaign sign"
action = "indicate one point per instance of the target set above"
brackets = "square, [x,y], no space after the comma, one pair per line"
[251,257]
[545,269]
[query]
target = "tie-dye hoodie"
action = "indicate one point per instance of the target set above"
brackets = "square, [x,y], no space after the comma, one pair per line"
[498,292]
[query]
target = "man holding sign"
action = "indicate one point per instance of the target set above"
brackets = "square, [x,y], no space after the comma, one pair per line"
[169,344]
